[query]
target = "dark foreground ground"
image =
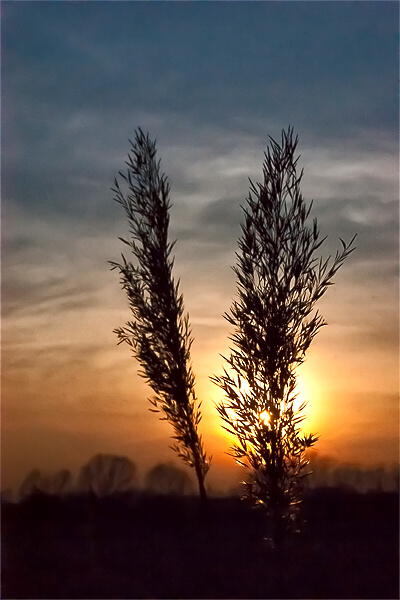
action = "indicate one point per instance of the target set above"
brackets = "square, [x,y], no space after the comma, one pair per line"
[159,547]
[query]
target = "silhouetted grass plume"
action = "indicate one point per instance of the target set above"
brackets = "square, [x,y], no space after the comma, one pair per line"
[159,335]
[279,280]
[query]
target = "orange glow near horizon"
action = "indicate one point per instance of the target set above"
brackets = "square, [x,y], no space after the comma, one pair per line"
[305,392]
[265,417]
[61,407]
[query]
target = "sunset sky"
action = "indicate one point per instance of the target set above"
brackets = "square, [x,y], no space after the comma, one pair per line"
[210,81]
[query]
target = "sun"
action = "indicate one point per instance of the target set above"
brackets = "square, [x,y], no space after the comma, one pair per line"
[265,417]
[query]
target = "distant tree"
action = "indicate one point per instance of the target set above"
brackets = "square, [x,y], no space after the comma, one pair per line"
[106,474]
[60,482]
[6,496]
[323,470]
[159,335]
[168,479]
[31,484]
[279,280]
[394,477]
[56,483]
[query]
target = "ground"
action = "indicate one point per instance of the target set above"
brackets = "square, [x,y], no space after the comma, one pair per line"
[146,546]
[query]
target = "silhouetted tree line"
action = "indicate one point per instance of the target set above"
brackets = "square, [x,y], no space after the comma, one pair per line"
[138,544]
[328,472]
[107,474]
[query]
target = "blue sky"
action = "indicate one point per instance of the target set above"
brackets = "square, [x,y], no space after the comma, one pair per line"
[210,81]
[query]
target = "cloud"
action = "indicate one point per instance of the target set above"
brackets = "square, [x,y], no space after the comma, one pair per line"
[78,79]
[200,62]
[67,254]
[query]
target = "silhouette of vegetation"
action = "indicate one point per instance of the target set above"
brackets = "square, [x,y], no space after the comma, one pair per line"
[136,545]
[168,479]
[30,484]
[279,279]
[55,484]
[106,474]
[326,472]
[159,335]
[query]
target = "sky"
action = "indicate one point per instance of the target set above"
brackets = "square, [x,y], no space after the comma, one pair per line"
[210,81]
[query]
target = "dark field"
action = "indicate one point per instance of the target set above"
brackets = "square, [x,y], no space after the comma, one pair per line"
[143,546]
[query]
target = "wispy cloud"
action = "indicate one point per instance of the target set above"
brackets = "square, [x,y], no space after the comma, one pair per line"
[78,78]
